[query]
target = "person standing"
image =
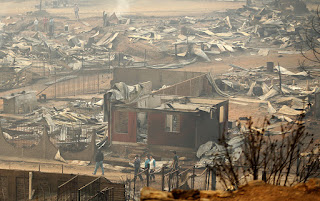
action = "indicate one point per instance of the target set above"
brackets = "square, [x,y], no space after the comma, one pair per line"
[99,162]
[152,168]
[51,27]
[76,11]
[45,24]
[35,23]
[147,165]
[137,163]
[175,163]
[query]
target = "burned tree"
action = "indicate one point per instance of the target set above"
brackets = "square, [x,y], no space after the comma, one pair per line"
[283,160]
[311,42]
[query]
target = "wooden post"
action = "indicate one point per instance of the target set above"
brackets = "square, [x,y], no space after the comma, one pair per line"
[82,84]
[55,83]
[109,59]
[176,50]
[119,59]
[39,167]
[82,62]
[280,81]
[134,186]
[169,182]
[192,178]
[177,179]
[145,57]
[298,160]
[162,178]
[98,83]
[62,168]
[206,179]
[148,177]
[213,178]
[30,185]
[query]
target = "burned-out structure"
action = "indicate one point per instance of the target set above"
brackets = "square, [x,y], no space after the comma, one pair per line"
[20,103]
[169,121]
[185,114]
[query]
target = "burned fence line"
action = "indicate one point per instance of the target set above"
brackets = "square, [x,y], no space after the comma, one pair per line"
[68,190]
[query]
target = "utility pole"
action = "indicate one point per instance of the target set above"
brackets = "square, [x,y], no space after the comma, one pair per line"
[280,81]
[109,59]
[55,83]
[145,57]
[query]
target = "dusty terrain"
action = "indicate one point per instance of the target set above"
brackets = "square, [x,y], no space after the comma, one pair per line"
[255,190]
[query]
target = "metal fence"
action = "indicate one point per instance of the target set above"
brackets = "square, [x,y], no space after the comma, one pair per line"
[80,85]
[89,190]
[107,194]
[68,191]
[168,179]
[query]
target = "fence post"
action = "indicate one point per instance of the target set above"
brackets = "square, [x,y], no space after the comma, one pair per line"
[213,179]
[209,173]
[148,176]
[192,178]
[298,160]
[169,182]
[177,179]
[134,187]
[206,181]
[62,168]
[162,178]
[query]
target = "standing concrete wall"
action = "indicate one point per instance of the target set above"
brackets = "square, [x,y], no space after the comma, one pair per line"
[158,77]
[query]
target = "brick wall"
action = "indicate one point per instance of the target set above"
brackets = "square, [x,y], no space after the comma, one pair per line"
[157,135]
[131,135]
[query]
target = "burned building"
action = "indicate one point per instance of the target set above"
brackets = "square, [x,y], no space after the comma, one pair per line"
[185,114]
[19,103]
[169,121]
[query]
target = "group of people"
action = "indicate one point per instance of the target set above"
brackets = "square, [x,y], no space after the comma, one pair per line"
[150,165]
[45,23]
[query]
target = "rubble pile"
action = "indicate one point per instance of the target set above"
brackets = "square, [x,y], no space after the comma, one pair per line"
[211,152]
[133,41]
[65,127]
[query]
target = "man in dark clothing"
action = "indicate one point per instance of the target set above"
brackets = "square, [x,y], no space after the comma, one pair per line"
[175,163]
[137,163]
[99,162]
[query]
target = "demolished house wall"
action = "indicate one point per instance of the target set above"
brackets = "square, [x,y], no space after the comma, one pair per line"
[158,135]
[191,130]
[158,77]
[210,127]
[85,155]
[196,86]
[20,103]
[15,184]
[45,149]
[124,126]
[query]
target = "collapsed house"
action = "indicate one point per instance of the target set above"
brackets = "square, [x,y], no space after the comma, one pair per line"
[20,103]
[169,121]
[181,115]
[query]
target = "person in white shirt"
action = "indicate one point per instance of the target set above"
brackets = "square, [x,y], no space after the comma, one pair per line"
[36,22]
[152,168]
